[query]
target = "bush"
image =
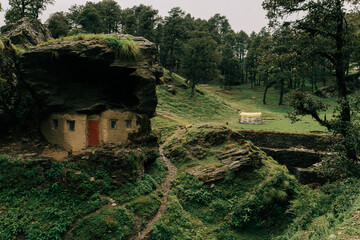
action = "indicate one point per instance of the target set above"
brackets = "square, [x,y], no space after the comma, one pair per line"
[125,47]
[109,223]
[131,191]
[267,203]
[146,206]
[175,224]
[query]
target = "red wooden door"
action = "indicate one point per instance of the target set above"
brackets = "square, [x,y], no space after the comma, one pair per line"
[93,133]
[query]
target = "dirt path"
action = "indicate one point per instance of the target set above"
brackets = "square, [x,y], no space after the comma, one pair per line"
[165,188]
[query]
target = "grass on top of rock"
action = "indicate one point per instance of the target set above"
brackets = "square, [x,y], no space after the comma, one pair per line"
[124,47]
[5,42]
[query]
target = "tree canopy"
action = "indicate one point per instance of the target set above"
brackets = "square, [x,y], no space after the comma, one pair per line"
[25,8]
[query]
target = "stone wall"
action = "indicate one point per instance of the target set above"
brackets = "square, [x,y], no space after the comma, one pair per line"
[272,139]
[299,152]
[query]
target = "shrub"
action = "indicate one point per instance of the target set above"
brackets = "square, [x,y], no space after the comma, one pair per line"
[131,191]
[125,47]
[146,206]
[109,223]
[175,224]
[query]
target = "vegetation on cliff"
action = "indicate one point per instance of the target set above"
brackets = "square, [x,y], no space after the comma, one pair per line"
[44,200]
[124,46]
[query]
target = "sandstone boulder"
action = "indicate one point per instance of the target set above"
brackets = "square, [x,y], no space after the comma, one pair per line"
[209,174]
[26,32]
[226,152]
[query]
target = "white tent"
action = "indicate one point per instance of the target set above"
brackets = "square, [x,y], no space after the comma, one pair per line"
[251,118]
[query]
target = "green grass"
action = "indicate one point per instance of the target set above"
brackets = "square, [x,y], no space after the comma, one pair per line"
[146,206]
[331,209]
[218,106]
[123,46]
[44,204]
[38,205]
[109,223]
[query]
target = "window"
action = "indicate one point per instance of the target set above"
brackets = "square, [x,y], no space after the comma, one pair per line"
[113,124]
[128,123]
[55,124]
[71,124]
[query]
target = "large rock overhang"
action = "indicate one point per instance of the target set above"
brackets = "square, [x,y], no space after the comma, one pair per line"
[86,76]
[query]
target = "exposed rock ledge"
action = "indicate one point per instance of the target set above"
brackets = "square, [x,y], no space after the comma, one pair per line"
[26,32]
[87,76]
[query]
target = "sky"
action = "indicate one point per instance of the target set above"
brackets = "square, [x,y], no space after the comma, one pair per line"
[246,15]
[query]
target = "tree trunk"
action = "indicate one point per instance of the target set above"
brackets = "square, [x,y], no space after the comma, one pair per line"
[345,113]
[192,82]
[22,8]
[281,92]
[264,97]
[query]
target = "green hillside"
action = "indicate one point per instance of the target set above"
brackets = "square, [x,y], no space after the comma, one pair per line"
[212,104]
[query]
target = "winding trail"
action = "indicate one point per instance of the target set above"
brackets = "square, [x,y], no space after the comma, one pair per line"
[165,188]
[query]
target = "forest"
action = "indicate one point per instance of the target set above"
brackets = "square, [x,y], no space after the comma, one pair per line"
[189,170]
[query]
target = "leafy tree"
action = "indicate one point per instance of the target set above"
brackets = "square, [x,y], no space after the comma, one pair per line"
[173,38]
[58,24]
[254,54]
[110,13]
[242,40]
[230,64]
[147,18]
[201,60]
[129,21]
[90,19]
[140,21]
[73,15]
[218,27]
[324,21]
[25,8]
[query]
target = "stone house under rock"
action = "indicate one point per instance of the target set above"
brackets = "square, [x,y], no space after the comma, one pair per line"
[77,131]
[88,95]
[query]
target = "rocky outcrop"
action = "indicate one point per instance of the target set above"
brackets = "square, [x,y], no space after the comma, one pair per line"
[309,175]
[87,76]
[235,160]
[26,32]
[299,152]
[214,152]
[209,174]
[283,140]
[8,82]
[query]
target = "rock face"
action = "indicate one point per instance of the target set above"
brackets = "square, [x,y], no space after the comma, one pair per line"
[297,151]
[86,76]
[215,152]
[26,32]
[8,81]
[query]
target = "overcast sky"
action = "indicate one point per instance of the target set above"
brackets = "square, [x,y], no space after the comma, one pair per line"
[246,15]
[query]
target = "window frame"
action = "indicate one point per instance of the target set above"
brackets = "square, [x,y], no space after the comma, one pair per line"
[111,124]
[71,125]
[55,124]
[128,124]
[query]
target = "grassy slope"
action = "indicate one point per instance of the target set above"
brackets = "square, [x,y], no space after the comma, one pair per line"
[223,106]
[44,205]
[332,210]
[245,205]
